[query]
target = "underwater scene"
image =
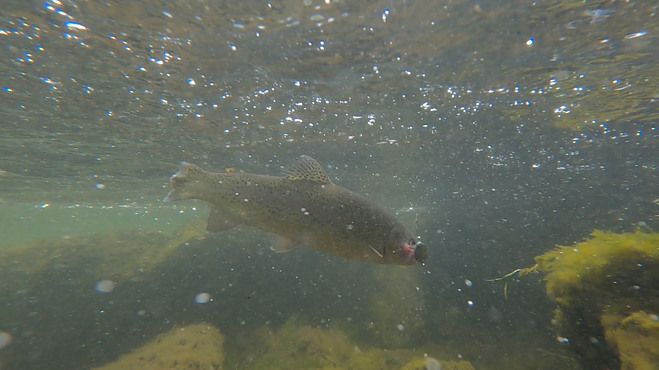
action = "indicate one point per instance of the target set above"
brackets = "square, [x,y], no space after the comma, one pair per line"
[329,184]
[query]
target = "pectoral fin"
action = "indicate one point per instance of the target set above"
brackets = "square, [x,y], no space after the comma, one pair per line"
[219,221]
[172,196]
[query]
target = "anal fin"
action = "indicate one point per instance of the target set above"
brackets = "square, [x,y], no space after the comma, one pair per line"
[219,221]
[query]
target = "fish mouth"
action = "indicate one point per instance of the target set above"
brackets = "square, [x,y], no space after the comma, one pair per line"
[420,253]
[415,252]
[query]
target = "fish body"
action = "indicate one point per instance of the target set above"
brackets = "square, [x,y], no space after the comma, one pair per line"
[303,208]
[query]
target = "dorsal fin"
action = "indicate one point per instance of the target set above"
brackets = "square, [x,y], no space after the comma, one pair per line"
[306,168]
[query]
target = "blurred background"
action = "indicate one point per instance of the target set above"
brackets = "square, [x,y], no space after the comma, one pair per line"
[494,130]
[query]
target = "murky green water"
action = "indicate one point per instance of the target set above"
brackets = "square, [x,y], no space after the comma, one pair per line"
[494,130]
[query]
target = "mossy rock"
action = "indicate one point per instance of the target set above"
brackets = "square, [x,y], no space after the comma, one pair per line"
[197,346]
[429,363]
[606,289]
[636,337]
[609,263]
[306,347]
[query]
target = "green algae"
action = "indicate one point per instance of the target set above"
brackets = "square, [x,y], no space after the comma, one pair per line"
[607,294]
[429,363]
[296,346]
[198,346]
[609,263]
[636,337]
[307,347]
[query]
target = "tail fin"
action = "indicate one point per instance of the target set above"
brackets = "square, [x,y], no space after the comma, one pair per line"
[186,183]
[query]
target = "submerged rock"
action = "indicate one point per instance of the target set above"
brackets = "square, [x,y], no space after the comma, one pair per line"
[197,346]
[304,347]
[607,298]
[429,363]
[636,337]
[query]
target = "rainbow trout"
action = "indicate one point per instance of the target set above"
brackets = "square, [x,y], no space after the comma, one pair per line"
[303,208]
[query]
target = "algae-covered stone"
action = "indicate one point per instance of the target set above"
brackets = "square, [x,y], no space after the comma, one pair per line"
[607,262]
[607,298]
[429,363]
[197,346]
[306,347]
[636,337]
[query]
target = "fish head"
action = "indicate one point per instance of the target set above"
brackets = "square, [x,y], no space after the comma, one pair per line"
[403,249]
[412,252]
